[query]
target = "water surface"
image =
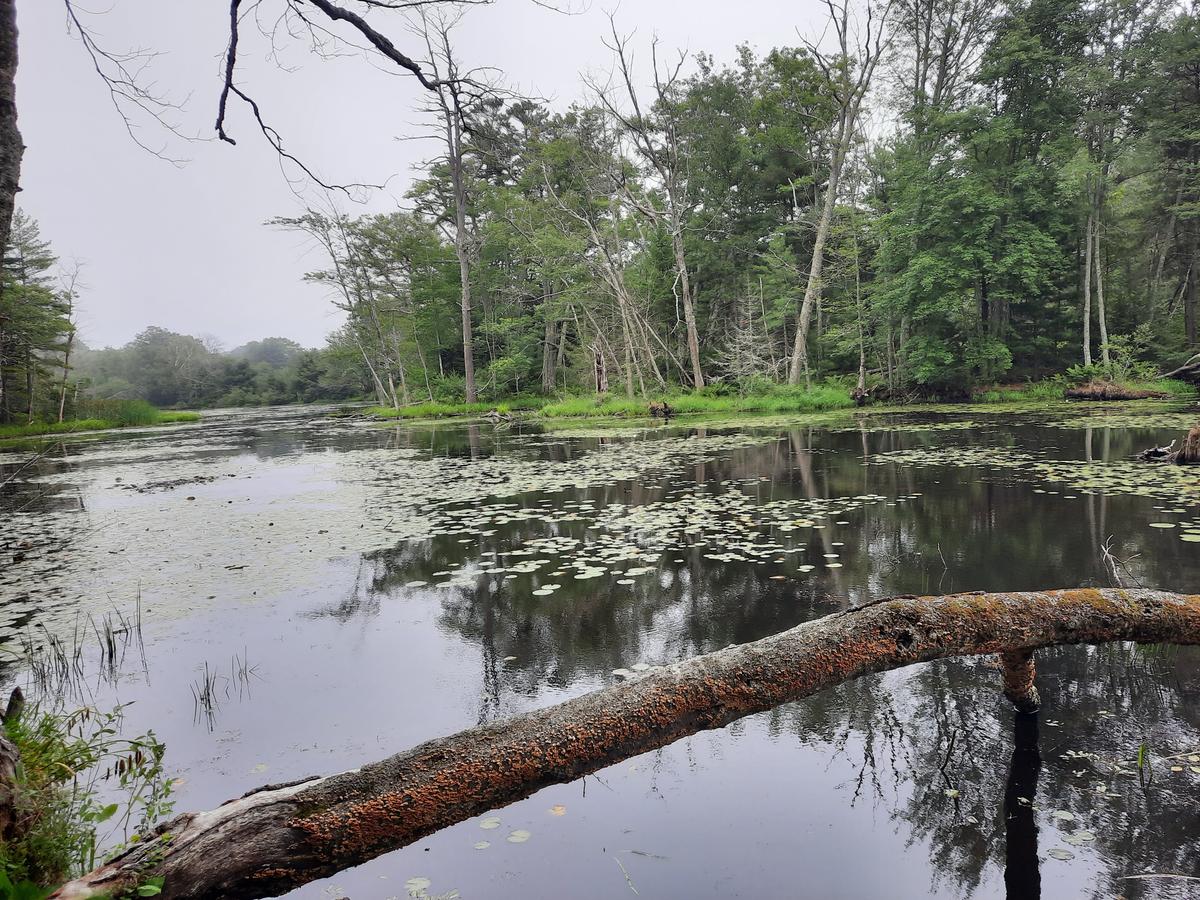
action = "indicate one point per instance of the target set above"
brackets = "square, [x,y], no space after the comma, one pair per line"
[387,585]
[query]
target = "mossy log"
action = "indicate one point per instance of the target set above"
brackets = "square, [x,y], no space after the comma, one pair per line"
[281,836]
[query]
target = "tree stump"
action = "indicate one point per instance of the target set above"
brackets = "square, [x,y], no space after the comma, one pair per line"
[1189,453]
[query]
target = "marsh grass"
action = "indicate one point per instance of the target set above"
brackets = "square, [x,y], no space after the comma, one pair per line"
[1053,389]
[82,789]
[101,415]
[213,686]
[436,409]
[59,666]
[779,399]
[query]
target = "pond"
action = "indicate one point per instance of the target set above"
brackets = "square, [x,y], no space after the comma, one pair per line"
[353,589]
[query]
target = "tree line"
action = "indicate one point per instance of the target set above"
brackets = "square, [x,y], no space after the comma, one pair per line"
[47,373]
[934,196]
[939,195]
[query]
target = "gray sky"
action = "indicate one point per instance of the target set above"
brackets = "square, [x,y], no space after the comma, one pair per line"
[184,247]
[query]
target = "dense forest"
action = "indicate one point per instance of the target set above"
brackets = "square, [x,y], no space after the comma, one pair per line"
[935,196]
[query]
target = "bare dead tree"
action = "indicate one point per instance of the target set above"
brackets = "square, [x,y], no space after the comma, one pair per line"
[69,293]
[656,139]
[457,95]
[354,294]
[938,46]
[848,71]
[596,211]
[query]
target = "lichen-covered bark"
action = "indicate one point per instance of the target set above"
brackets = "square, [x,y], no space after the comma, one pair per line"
[279,837]
[12,148]
[1018,671]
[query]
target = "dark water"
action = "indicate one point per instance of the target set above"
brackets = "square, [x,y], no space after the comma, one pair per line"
[312,550]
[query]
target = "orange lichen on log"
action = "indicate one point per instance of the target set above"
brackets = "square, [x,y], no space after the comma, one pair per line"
[274,840]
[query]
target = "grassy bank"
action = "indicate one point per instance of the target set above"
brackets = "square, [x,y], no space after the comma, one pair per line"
[817,399]
[779,400]
[100,416]
[1053,389]
[438,410]
[774,400]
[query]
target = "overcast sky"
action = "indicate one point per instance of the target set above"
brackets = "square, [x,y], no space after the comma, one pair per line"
[185,247]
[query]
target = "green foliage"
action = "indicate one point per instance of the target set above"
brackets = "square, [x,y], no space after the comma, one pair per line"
[955,257]
[101,415]
[81,788]
[778,400]
[21,890]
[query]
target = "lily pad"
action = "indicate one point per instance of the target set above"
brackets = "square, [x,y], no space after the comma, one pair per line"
[417,886]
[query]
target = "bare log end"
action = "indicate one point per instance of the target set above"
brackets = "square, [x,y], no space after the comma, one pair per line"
[1018,671]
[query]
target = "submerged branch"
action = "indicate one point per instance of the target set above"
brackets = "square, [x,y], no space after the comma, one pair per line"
[279,837]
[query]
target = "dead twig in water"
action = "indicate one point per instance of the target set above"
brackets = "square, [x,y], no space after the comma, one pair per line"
[625,872]
[1112,562]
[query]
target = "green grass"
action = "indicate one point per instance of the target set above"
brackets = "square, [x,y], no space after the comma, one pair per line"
[171,417]
[431,410]
[778,400]
[775,399]
[1178,390]
[435,409]
[1052,389]
[119,414]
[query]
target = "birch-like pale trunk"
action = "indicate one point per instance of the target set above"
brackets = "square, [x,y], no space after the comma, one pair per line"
[12,148]
[1087,290]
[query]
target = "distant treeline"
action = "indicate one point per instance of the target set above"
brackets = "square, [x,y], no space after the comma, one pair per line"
[178,370]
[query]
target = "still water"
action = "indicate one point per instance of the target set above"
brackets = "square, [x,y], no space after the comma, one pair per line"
[356,589]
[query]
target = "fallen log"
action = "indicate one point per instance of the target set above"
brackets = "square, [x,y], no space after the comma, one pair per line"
[1189,371]
[1158,454]
[1188,453]
[281,836]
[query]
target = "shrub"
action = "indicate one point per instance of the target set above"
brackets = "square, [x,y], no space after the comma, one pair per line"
[73,766]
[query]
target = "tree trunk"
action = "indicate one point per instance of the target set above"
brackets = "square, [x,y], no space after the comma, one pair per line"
[689,308]
[282,836]
[1189,296]
[11,146]
[1087,292]
[799,365]
[549,349]
[455,156]
[1101,318]
[29,385]
[66,367]
[598,368]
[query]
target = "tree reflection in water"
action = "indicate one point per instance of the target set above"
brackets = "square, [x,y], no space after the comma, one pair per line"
[936,744]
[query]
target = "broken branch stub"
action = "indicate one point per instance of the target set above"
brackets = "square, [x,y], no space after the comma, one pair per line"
[275,839]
